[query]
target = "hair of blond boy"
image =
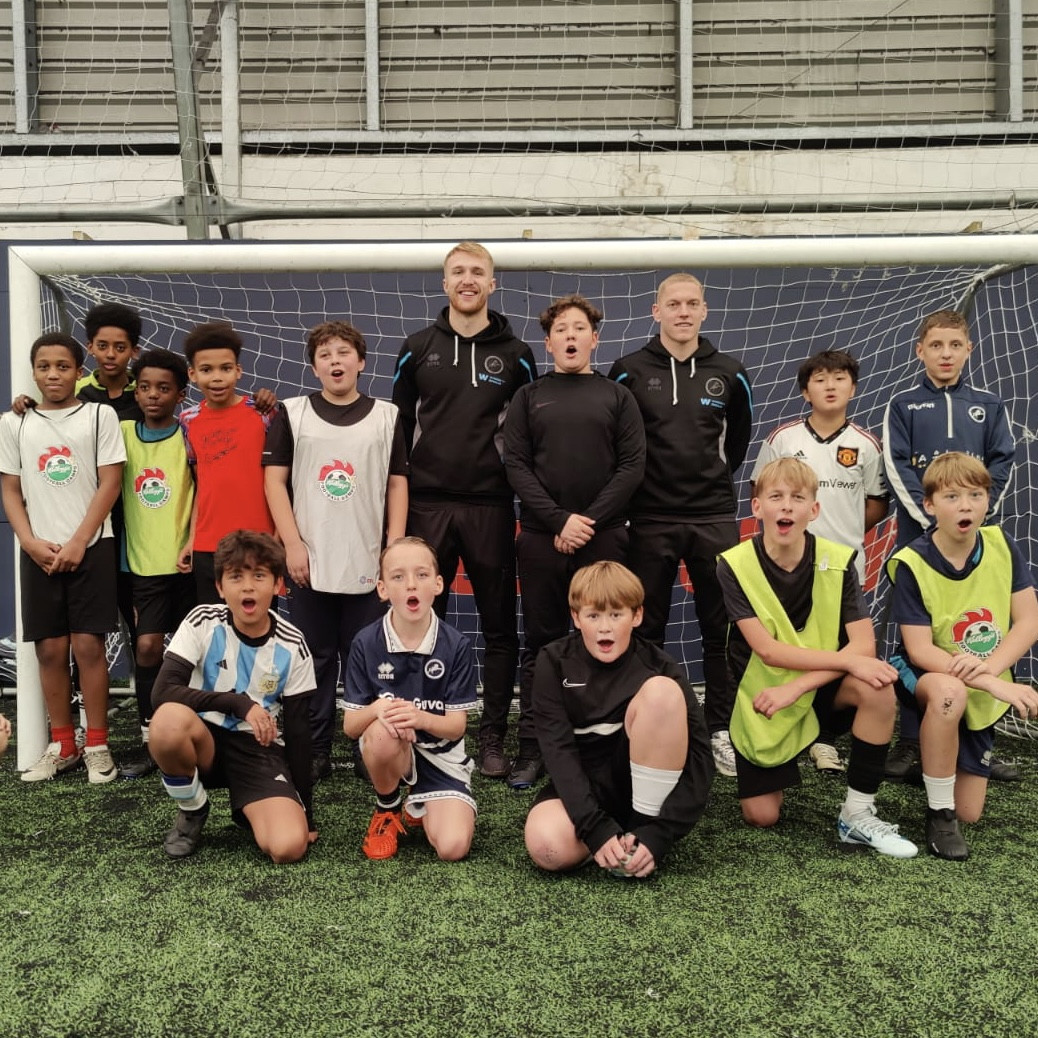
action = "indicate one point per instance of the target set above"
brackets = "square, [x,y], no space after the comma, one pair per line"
[605,585]
[943,319]
[249,548]
[796,474]
[403,542]
[827,360]
[471,248]
[955,469]
[677,279]
[328,330]
[571,302]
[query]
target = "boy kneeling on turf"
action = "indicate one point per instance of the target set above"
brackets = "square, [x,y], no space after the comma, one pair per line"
[623,737]
[409,685]
[801,632]
[230,672]
[965,602]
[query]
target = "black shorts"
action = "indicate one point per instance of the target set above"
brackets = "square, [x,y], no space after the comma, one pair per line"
[753,780]
[610,780]
[160,603]
[249,771]
[204,573]
[80,602]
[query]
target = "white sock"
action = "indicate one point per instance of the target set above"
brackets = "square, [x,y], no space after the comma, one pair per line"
[858,803]
[189,793]
[940,792]
[650,787]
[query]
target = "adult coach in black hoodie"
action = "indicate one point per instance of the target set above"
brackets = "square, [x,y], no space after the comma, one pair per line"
[453,383]
[697,408]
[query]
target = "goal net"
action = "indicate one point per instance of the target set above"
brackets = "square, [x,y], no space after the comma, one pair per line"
[772,305]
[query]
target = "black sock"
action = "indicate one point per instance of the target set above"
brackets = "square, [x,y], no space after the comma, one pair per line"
[388,801]
[865,765]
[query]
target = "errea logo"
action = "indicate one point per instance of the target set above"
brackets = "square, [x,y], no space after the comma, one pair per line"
[386,672]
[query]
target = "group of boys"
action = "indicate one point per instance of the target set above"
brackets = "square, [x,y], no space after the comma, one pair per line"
[245,698]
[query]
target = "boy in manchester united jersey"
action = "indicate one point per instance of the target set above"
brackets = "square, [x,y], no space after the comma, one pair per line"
[848,461]
[964,599]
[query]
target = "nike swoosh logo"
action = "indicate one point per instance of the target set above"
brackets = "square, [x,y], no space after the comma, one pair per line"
[566,683]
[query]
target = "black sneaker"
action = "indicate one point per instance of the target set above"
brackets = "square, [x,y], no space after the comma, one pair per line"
[183,839]
[1003,771]
[320,767]
[904,763]
[491,759]
[525,772]
[139,767]
[944,838]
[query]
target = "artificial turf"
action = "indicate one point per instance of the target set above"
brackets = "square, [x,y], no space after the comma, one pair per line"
[743,933]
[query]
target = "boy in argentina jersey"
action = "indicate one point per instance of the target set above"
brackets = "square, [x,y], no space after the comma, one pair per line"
[409,685]
[335,476]
[964,601]
[623,737]
[231,673]
[800,634]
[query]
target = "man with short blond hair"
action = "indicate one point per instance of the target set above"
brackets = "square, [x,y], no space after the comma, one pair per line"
[453,383]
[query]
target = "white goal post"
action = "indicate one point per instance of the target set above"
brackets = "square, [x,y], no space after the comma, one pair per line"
[28,264]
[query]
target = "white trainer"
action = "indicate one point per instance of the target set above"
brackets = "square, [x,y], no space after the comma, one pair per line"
[724,753]
[51,764]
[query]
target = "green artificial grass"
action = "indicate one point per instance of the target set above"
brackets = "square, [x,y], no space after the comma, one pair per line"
[743,934]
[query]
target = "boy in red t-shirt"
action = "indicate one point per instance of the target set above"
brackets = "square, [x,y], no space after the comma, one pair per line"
[225,436]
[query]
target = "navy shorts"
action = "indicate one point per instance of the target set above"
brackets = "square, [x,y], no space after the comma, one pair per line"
[975,746]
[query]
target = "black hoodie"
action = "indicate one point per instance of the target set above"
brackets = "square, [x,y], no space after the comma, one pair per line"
[453,393]
[698,415]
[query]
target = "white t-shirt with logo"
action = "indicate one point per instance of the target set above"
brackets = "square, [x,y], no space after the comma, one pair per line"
[57,454]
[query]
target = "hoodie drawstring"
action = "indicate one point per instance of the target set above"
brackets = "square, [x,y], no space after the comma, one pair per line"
[472,358]
[674,378]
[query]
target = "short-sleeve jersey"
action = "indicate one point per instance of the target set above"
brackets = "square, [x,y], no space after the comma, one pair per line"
[437,677]
[158,491]
[226,447]
[906,599]
[265,669]
[849,467]
[56,454]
